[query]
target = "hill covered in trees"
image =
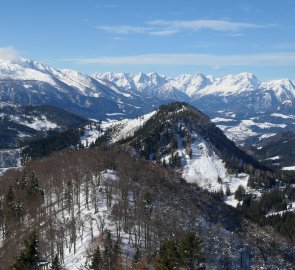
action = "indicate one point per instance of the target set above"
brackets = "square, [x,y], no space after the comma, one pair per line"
[137,213]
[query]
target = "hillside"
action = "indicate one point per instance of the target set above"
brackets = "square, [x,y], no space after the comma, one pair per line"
[276,151]
[21,123]
[179,136]
[128,207]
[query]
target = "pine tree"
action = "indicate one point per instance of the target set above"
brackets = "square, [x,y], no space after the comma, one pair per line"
[29,257]
[56,264]
[96,260]
[191,251]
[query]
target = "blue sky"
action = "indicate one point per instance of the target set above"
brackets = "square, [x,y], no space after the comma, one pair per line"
[171,37]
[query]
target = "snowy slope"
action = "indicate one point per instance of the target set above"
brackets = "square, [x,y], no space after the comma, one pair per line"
[200,163]
[231,84]
[126,128]
[206,169]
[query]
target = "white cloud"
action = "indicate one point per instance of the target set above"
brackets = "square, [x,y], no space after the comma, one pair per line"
[216,25]
[9,53]
[124,29]
[166,27]
[267,59]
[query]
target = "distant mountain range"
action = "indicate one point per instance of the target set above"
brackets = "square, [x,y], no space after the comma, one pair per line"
[242,106]
[118,95]
[240,93]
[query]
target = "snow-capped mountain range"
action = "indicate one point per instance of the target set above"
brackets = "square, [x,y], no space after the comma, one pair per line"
[125,94]
[30,82]
[117,96]
[195,87]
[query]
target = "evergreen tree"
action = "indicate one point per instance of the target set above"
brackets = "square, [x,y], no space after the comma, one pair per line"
[191,251]
[56,264]
[240,193]
[96,260]
[108,250]
[29,257]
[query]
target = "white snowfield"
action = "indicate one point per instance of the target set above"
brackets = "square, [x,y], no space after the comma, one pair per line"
[238,133]
[290,168]
[208,171]
[274,158]
[284,116]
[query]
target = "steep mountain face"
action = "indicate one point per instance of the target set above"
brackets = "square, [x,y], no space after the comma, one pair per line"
[20,123]
[30,82]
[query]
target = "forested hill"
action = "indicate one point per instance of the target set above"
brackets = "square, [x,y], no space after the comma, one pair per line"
[137,213]
[21,123]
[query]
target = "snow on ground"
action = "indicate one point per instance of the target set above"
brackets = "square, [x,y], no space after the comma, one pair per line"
[243,130]
[290,168]
[126,128]
[267,135]
[91,226]
[238,133]
[91,133]
[292,209]
[207,170]
[280,115]
[273,158]
[221,119]
[39,123]
[264,125]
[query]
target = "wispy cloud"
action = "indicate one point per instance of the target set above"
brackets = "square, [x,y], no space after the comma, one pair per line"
[216,25]
[124,29]
[9,53]
[267,59]
[169,27]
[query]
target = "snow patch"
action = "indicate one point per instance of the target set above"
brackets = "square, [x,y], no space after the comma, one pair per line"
[290,168]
